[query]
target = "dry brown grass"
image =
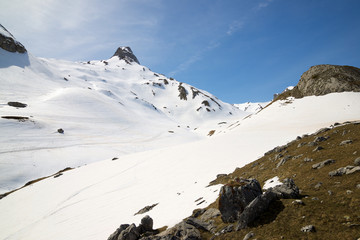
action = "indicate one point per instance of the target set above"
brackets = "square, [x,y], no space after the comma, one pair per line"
[335,215]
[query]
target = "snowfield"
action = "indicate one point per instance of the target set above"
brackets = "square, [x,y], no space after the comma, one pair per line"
[92,201]
[135,138]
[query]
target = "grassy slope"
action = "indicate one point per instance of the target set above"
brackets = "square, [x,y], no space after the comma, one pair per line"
[335,216]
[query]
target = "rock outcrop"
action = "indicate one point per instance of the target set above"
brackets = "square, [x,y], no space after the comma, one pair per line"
[234,198]
[324,79]
[8,42]
[125,53]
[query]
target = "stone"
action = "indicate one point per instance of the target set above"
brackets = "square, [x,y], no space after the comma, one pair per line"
[252,211]
[345,142]
[197,223]
[17,104]
[8,43]
[308,228]
[357,161]
[125,53]
[249,235]
[234,199]
[286,190]
[323,163]
[146,208]
[320,139]
[318,185]
[358,186]
[298,202]
[344,170]
[130,233]
[283,161]
[115,235]
[226,229]
[210,213]
[146,224]
[308,159]
[318,148]
[60,130]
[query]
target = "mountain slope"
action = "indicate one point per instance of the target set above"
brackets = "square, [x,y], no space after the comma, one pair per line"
[109,193]
[104,109]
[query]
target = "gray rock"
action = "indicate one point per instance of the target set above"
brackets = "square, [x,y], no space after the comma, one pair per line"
[345,142]
[210,213]
[226,229]
[358,186]
[318,148]
[324,79]
[146,224]
[320,139]
[252,211]
[286,190]
[323,163]
[182,231]
[115,235]
[233,199]
[308,228]
[344,170]
[197,223]
[283,161]
[357,161]
[249,235]
[130,233]
[125,53]
[298,202]
[318,185]
[308,159]
[9,43]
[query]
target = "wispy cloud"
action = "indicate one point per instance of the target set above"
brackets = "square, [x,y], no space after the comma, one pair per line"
[234,27]
[264,4]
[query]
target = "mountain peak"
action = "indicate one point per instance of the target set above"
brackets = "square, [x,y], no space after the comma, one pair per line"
[8,42]
[127,54]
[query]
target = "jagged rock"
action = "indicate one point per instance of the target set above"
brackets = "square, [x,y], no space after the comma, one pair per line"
[130,233]
[234,199]
[226,229]
[125,53]
[298,202]
[323,163]
[308,228]
[345,142]
[320,139]
[249,235]
[8,43]
[318,148]
[283,161]
[210,213]
[255,209]
[146,209]
[182,92]
[115,235]
[286,190]
[324,79]
[182,231]
[308,159]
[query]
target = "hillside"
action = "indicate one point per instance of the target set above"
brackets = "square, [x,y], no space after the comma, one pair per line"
[57,114]
[138,143]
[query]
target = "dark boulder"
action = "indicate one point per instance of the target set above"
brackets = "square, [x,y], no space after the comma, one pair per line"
[234,199]
[286,190]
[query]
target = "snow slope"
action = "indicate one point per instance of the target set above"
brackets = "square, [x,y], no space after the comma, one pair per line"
[251,107]
[92,201]
[106,108]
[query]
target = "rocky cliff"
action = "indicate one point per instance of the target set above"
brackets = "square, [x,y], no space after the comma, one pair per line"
[324,79]
[8,42]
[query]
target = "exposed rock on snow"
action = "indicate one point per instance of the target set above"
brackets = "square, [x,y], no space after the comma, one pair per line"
[8,42]
[126,54]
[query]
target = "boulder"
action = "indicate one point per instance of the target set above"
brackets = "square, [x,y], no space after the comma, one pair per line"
[286,190]
[346,142]
[130,233]
[308,228]
[115,235]
[357,161]
[252,211]
[210,213]
[146,225]
[234,199]
[323,163]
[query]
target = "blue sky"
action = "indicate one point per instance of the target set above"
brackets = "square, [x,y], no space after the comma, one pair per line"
[238,50]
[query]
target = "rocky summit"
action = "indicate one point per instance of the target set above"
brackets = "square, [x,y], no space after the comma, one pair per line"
[126,54]
[324,79]
[8,42]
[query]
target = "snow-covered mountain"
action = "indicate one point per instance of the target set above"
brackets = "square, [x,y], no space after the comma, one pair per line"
[118,108]
[104,108]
